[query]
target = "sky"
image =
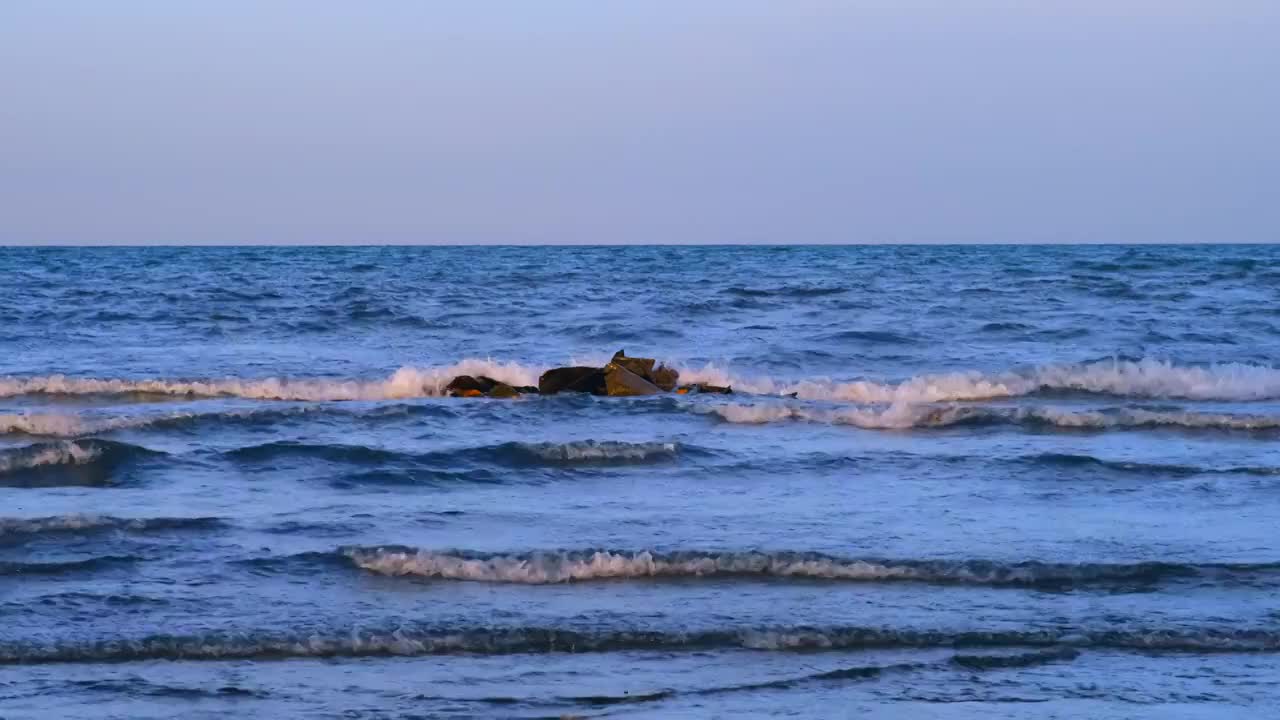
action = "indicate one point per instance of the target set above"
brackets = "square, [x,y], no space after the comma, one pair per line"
[654,121]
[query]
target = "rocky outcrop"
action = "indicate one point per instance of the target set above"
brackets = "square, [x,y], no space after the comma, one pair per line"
[572,379]
[623,376]
[666,378]
[620,381]
[481,386]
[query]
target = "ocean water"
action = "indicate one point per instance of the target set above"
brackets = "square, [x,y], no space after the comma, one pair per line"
[1013,482]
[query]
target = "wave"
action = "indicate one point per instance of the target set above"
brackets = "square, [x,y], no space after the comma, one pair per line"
[588,451]
[47,463]
[786,291]
[409,640]
[904,416]
[550,567]
[518,454]
[1146,378]
[70,426]
[406,382]
[1021,660]
[1075,460]
[1124,378]
[82,524]
[65,567]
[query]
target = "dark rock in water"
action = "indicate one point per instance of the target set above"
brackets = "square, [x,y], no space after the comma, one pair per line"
[640,366]
[481,386]
[572,379]
[698,388]
[621,382]
[526,389]
[665,378]
[502,390]
[463,384]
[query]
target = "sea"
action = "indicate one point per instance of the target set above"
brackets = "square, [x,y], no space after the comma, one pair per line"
[951,482]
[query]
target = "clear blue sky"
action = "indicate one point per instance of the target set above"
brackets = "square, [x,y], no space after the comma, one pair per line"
[406,121]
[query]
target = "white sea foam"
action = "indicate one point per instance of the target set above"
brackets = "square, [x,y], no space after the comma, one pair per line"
[597,451]
[1142,378]
[43,424]
[550,567]
[407,382]
[902,416]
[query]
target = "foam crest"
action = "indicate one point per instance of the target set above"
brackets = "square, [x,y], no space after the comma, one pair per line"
[551,567]
[903,416]
[1146,378]
[600,451]
[407,382]
[42,424]
[48,454]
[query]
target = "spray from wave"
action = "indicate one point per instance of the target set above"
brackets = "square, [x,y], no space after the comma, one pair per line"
[1126,378]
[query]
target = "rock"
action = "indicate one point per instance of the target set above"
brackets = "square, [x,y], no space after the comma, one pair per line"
[502,390]
[572,379]
[526,389]
[621,382]
[640,366]
[465,383]
[665,378]
[698,388]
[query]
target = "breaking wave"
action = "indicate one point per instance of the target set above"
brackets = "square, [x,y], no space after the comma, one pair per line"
[538,568]
[404,383]
[1124,378]
[903,416]
[590,451]
[1146,378]
[415,640]
[68,454]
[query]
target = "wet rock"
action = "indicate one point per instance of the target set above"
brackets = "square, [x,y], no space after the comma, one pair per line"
[639,366]
[462,384]
[621,382]
[698,388]
[502,390]
[665,378]
[572,379]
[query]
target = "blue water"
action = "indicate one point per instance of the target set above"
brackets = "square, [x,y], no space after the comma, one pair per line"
[1012,482]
